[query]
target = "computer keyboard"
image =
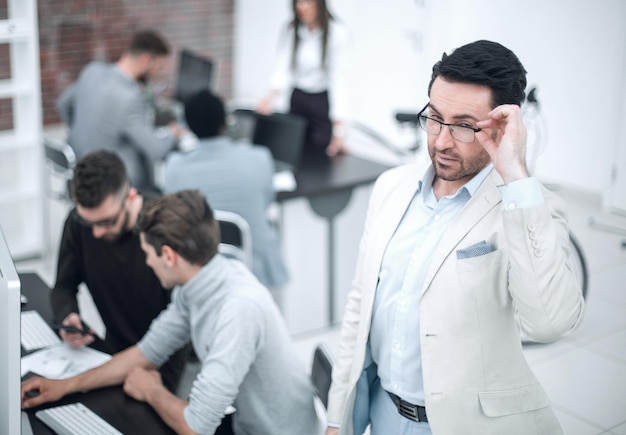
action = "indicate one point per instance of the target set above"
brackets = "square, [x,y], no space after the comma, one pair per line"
[36,333]
[75,419]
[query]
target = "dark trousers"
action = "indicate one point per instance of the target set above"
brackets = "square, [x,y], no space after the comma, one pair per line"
[314,108]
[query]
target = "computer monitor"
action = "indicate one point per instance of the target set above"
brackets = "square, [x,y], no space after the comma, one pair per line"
[10,350]
[283,134]
[194,75]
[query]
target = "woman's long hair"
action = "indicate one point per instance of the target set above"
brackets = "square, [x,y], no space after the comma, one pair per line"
[323,18]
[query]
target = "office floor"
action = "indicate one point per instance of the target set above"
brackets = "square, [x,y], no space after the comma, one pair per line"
[584,374]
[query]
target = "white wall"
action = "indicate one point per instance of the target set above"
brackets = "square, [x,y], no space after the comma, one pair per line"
[573,50]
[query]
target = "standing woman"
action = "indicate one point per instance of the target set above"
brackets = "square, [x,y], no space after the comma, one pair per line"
[311,63]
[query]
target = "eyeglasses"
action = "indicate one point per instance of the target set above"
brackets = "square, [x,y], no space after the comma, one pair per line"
[461,132]
[104,223]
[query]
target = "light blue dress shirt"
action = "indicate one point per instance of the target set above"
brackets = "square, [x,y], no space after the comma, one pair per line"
[395,330]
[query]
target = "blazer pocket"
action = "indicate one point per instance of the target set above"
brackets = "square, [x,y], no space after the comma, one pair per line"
[501,403]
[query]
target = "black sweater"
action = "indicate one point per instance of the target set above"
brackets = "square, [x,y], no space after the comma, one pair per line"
[125,290]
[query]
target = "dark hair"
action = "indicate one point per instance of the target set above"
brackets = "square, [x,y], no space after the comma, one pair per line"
[205,114]
[96,176]
[148,41]
[323,17]
[485,63]
[184,222]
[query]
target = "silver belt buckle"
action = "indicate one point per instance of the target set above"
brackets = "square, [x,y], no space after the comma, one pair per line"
[407,410]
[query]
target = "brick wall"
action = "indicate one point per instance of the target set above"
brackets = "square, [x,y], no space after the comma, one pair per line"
[73,32]
[6,116]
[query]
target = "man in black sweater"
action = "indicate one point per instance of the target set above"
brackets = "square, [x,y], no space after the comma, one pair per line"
[100,249]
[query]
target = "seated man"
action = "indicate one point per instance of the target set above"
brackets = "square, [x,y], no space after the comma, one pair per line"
[236,330]
[105,109]
[234,177]
[99,248]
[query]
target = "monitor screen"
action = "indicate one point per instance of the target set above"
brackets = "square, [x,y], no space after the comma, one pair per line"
[194,75]
[283,134]
[10,350]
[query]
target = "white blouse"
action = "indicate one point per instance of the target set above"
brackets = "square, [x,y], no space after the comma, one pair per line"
[309,75]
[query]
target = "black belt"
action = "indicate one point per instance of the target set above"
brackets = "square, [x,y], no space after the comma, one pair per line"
[408,410]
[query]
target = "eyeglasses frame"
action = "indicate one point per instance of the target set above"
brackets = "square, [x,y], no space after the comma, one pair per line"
[441,125]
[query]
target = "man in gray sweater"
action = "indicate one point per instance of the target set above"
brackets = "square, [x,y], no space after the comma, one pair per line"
[248,360]
[105,109]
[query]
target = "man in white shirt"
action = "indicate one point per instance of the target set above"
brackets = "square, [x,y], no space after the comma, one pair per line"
[453,264]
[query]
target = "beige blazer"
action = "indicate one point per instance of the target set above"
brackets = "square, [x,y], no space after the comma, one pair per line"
[476,379]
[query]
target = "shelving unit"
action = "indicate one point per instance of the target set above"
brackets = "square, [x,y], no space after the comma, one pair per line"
[21,165]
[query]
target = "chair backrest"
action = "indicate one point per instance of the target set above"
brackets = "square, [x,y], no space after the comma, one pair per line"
[236,239]
[321,372]
[60,161]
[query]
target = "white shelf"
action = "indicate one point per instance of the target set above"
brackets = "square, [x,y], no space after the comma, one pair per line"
[21,193]
[9,141]
[10,89]
[15,30]
[21,164]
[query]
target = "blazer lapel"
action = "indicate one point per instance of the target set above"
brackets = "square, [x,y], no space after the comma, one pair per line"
[486,198]
[391,212]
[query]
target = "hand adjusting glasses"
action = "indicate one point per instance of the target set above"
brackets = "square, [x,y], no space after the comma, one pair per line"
[462,132]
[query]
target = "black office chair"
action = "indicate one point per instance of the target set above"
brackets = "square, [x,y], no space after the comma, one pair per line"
[321,372]
[236,239]
[59,168]
[60,162]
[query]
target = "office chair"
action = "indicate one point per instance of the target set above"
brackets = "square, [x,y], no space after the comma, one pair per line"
[60,162]
[236,239]
[321,371]
[59,167]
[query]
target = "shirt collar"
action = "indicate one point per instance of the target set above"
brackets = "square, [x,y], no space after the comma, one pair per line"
[470,187]
[210,275]
[304,32]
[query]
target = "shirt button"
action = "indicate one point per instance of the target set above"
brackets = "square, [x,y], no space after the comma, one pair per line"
[511,206]
[395,387]
[437,218]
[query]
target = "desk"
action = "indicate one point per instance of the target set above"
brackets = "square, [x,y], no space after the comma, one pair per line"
[337,191]
[126,414]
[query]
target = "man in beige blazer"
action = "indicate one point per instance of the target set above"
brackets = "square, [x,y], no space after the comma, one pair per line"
[453,265]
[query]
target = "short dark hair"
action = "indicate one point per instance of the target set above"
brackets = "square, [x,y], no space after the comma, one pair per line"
[96,176]
[485,63]
[184,222]
[205,114]
[148,41]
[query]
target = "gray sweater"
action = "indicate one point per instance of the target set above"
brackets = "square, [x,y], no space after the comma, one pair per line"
[104,109]
[248,359]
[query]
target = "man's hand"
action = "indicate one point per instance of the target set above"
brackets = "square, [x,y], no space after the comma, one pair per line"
[507,145]
[75,339]
[36,391]
[141,383]
[332,431]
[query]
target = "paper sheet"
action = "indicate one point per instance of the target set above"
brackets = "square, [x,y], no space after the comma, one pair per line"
[62,361]
[284,181]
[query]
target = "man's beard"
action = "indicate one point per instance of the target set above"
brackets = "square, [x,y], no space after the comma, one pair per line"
[114,237]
